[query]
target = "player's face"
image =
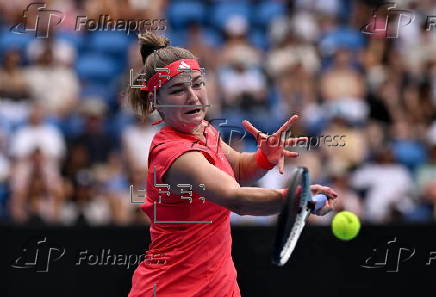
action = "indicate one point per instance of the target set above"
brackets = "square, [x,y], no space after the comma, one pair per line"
[184,89]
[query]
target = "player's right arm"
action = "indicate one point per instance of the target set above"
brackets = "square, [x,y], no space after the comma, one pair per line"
[193,168]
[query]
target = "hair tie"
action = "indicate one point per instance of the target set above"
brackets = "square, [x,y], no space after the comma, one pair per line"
[156,122]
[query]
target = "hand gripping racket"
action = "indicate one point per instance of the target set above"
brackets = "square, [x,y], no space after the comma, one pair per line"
[298,205]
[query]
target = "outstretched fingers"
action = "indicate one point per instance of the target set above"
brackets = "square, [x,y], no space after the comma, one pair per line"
[286,154]
[286,125]
[281,165]
[251,129]
[289,154]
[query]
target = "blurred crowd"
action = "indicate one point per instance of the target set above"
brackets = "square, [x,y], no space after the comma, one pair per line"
[72,151]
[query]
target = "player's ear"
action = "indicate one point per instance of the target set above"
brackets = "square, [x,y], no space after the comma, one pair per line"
[150,99]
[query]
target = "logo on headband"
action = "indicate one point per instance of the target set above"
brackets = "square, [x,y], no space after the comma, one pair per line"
[183,65]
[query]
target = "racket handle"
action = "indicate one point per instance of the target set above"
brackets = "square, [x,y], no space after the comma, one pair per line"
[318,202]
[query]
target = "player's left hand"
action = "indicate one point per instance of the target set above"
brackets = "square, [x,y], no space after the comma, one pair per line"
[331,198]
[273,146]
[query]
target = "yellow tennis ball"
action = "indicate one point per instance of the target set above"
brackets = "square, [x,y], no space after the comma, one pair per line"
[345,225]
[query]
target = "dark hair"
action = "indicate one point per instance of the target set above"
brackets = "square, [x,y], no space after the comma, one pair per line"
[164,55]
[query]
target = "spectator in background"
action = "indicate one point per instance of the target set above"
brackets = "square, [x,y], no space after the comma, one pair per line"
[94,8]
[13,85]
[53,85]
[342,88]
[114,187]
[417,45]
[136,141]
[429,197]
[85,167]
[37,134]
[407,148]
[94,137]
[14,91]
[387,187]
[242,83]
[344,146]
[330,7]
[292,51]
[425,210]
[37,149]
[63,53]
[292,65]
[384,103]
[236,45]
[141,9]
[243,88]
[196,43]
[85,205]
[79,182]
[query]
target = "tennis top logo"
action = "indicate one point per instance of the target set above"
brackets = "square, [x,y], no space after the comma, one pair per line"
[388,24]
[183,65]
[38,19]
[38,255]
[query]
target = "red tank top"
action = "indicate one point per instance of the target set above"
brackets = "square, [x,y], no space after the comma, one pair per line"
[190,250]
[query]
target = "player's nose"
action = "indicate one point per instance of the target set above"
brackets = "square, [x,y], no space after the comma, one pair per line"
[193,99]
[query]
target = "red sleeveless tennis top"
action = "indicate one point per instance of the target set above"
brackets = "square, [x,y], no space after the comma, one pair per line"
[190,252]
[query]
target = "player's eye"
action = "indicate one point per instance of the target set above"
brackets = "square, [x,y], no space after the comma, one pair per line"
[176,92]
[198,85]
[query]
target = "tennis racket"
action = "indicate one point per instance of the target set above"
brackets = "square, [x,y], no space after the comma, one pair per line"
[298,205]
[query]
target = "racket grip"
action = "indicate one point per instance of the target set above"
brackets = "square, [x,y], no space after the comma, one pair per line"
[319,201]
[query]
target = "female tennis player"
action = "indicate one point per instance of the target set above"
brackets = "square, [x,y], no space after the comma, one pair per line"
[194,181]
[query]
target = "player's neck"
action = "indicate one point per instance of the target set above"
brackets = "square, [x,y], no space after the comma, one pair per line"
[199,132]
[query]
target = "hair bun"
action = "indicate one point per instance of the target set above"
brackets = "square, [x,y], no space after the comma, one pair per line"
[150,42]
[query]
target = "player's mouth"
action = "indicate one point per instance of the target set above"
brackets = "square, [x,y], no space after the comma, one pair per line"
[193,111]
